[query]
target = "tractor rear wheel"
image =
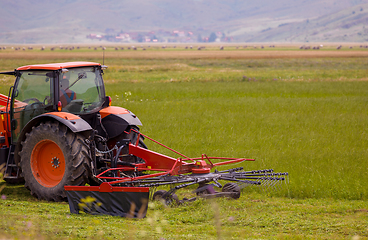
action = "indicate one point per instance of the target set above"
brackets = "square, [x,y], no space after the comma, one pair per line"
[52,156]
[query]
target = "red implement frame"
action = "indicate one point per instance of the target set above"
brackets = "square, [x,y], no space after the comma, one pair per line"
[166,165]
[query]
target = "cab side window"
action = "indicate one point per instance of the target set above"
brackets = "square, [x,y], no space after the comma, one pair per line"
[32,96]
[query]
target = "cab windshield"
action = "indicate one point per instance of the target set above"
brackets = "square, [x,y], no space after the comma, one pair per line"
[81,90]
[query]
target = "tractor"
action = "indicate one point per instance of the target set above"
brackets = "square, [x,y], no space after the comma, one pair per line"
[55,118]
[60,135]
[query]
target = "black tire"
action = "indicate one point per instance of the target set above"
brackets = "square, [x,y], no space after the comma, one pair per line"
[158,196]
[52,157]
[202,190]
[232,187]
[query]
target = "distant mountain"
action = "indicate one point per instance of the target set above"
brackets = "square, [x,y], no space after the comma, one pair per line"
[348,25]
[70,21]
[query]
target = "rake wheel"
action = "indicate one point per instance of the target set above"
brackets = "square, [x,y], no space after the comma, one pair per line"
[232,187]
[159,196]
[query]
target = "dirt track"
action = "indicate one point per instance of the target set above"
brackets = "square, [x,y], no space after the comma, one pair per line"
[190,54]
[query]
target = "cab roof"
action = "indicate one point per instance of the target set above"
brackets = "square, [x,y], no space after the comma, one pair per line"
[57,66]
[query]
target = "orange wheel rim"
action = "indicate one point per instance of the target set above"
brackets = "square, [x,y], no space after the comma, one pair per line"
[48,163]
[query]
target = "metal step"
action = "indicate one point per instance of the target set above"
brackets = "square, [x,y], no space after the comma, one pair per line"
[11,177]
[12,170]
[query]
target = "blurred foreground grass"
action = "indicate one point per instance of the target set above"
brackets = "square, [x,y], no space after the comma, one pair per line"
[253,216]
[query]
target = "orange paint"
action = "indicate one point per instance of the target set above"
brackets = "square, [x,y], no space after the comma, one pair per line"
[65,115]
[48,163]
[113,110]
[4,129]
[57,66]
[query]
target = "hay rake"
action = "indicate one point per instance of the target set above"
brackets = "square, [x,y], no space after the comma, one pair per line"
[154,170]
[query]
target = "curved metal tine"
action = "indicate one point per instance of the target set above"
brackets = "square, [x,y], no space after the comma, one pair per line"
[267,182]
[273,181]
[278,184]
[245,184]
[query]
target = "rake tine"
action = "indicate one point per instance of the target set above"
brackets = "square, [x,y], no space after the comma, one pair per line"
[268,182]
[244,185]
[274,183]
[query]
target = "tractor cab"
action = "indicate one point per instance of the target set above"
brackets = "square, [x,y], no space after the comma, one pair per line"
[74,87]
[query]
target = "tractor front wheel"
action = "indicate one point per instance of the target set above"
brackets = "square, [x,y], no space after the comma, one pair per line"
[52,156]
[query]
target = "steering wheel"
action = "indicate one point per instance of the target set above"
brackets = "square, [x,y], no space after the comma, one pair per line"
[90,106]
[47,101]
[36,105]
[29,99]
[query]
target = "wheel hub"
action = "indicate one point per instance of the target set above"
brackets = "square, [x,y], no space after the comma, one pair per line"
[55,162]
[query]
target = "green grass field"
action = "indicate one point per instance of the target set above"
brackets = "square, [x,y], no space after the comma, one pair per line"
[316,131]
[305,116]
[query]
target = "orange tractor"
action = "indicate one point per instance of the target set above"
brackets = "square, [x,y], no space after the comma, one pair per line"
[60,135]
[55,116]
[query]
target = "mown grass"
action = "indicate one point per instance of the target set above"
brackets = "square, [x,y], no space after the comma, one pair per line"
[253,216]
[235,70]
[305,116]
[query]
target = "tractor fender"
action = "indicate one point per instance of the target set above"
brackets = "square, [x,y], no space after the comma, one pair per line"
[71,121]
[117,119]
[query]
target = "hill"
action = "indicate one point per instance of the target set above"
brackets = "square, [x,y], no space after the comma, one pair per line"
[342,26]
[70,21]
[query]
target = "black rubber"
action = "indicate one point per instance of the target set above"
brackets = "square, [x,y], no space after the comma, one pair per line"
[202,190]
[76,153]
[232,187]
[158,196]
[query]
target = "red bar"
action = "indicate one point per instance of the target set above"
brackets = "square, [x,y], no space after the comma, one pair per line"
[232,161]
[152,159]
[106,187]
